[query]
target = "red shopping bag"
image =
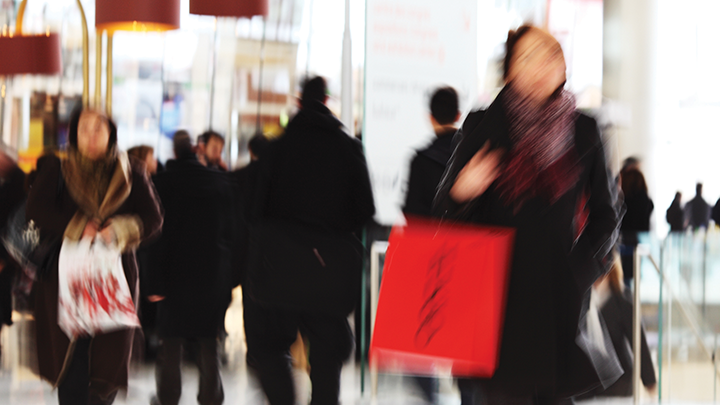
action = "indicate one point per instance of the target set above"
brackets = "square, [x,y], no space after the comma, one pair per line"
[442,299]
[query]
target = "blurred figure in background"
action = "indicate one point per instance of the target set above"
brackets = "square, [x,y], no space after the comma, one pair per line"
[12,194]
[213,145]
[426,171]
[615,304]
[428,164]
[716,213]
[527,165]
[639,208]
[697,210]
[96,192]
[313,185]
[145,154]
[191,271]
[675,215]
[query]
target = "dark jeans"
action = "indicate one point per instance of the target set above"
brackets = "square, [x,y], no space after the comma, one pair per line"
[168,371]
[270,333]
[76,387]
[484,392]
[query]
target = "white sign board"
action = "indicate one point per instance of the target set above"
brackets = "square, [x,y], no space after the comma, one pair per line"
[412,47]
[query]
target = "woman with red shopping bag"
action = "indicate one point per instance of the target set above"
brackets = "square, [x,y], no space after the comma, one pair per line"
[528,165]
[96,192]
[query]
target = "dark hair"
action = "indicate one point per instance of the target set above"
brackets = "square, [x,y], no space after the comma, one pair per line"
[633,183]
[208,135]
[258,144]
[182,144]
[313,89]
[444,105]
[512,40]
[141,151]
[75,121]
[629,162]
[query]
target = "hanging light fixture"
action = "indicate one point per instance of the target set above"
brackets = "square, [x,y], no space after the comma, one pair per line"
[128,15]
[137,15]
[228,8]
[37,54]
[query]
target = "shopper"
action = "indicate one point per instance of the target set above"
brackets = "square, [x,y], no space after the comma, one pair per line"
[190,272]
[313,192]
[97,191]
[639,208]
[214,143]
[527,165]
[676,217]
[697,210]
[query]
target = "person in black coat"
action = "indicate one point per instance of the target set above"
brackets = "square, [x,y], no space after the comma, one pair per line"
[639,208]
[676,218]
[12,193]
[532,164]
[313,180]
[697,210]
[190,271]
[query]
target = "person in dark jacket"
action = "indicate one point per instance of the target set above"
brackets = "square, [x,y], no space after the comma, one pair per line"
[12,193]
[313,179]
[426,170]
[676,217]
[697,210]
[529,165]
[104,194]
[639,208]
[428,164]
[616,307]
[190,271]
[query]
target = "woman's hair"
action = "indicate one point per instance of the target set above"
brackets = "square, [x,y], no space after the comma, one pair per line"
[615,276]
[512,40]
[633,183]
[141,152]
[75,121]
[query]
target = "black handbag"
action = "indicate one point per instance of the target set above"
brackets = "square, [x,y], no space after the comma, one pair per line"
[297,267]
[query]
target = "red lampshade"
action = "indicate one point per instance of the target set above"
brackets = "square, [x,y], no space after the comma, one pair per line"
[137,15]
[31,54]
[229,8]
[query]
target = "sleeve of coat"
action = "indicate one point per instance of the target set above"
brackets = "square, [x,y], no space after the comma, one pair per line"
[416,197]
[592,249]
[147,206]
[43,206]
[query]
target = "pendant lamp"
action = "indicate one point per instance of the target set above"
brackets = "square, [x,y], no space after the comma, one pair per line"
[137,15]
[229,8]
[37,54]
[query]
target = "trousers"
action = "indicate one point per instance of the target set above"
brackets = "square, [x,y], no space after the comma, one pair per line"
[168,374]
[270,332]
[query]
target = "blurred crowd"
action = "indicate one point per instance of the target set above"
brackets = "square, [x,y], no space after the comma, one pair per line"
[286,229]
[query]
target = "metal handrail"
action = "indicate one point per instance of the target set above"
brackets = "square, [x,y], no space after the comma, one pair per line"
[640,252]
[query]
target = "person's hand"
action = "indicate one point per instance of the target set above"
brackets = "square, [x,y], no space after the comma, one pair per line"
[91,230]
[477,175]
[155,298]
[108,235]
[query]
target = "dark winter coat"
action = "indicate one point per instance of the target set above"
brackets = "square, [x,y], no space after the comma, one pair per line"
[676,217]
[52,211]
[426,170]
[315,178]
[639,208]
[12,193]
[551,271]
[697,212]
[315,175]
[191,264]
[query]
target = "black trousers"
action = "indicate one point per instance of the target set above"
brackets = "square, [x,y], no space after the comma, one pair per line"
[270,333]
[168,375]
[483,392]
[76,387]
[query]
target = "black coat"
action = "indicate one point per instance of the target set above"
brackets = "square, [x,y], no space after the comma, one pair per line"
[697,212]
[191,265]
[551,271]
[676,217]
[426,170]
[315,175]
[12,193]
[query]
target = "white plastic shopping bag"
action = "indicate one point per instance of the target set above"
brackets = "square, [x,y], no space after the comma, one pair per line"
[93,295]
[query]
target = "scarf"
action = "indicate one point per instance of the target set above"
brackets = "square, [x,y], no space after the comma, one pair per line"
[98,187]
[543,160]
